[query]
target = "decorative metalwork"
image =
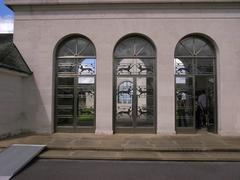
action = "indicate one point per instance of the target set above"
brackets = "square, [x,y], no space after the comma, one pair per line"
[75,83]
[143,67]
[85,68]
[144,112]
[124,112]
[125,67]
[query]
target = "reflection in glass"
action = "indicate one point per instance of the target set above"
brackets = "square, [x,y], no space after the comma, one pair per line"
[87,67]
[183,66]
[195,84]
[125,92]
[76,70]
[86,112]
[184,102]
[86,80]
[134,59]
[134,66]
[145,102]
[124,95]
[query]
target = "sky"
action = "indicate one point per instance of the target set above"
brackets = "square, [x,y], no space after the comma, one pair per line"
[6,19]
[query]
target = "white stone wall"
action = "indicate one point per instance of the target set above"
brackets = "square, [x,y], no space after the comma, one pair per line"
[38,31]
[11,104]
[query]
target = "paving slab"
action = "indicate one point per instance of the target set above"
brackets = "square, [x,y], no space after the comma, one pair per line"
[127,146]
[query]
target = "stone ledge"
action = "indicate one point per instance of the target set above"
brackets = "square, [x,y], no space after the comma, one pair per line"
[140,155]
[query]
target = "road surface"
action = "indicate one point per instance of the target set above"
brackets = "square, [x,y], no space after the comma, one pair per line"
[44,169]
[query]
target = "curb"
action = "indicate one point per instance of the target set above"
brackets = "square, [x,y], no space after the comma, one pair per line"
[140,155]
[148,149]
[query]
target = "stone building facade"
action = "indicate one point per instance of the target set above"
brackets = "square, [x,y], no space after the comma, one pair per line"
[123,66]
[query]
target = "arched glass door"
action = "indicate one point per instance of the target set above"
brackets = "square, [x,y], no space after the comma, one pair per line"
[195,82]
[75,85]
[134,85]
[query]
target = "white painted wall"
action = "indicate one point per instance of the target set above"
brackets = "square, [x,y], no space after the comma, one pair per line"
[11,104]
[38,31]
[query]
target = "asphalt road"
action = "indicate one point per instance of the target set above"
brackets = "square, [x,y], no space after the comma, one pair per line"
[128,170]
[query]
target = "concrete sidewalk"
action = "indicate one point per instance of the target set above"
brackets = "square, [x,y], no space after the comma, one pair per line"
[194,147]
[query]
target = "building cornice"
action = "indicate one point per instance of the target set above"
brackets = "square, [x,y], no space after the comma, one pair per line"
[69,2]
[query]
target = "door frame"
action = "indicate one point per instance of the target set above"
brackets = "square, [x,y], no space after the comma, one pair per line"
[134,129]
[74,128]
[193,129]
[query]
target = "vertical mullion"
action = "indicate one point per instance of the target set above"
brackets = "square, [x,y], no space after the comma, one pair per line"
[193,99]
[215,94]
[75,107]
[115,77]
[134,103]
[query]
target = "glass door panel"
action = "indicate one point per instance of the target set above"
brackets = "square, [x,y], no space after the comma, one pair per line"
[64,109]
[75,85]
[124,101]
[184,102]
[85,105]
[134,81]
[195,71]
[211,108]
[205,112]
[145,102]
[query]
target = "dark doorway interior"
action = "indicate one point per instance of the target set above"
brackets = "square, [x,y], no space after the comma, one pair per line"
[195,85]
[205,103]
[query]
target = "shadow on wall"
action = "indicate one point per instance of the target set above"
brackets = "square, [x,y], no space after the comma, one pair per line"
[11,99]
[37,107]
[22,109]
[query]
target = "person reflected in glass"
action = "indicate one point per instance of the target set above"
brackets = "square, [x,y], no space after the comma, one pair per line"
[202,107]
[182,97]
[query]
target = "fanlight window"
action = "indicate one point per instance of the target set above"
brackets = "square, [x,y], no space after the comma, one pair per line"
[194,55]
[77,47]
[134,47]
[134,56]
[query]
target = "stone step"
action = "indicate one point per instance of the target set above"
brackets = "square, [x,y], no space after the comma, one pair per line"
[140,155]
[150,149]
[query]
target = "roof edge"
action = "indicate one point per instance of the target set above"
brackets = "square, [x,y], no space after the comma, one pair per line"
[29,70]
[11,70]
[63,2]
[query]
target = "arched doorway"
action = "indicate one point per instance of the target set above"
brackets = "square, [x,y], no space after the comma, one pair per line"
[134,85]
[195,85]
[75,85]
